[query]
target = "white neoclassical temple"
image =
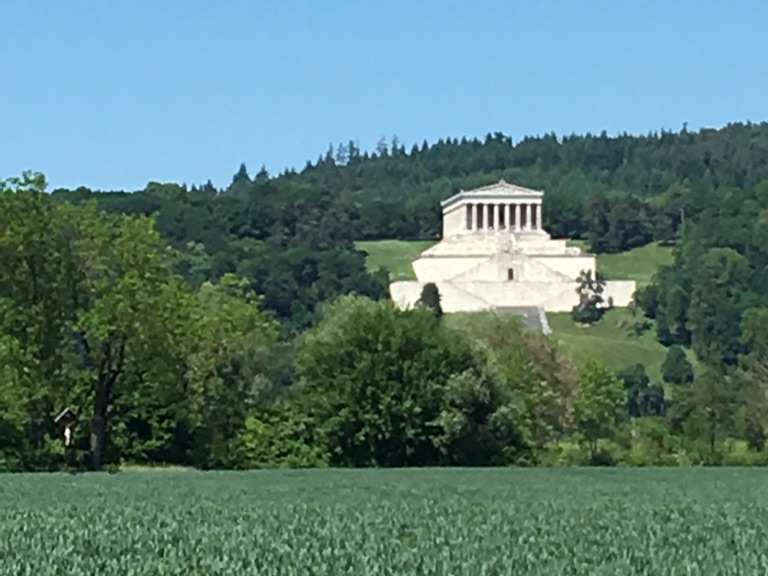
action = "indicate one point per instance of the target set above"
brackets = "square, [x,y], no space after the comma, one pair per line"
[498,207]
[495,254]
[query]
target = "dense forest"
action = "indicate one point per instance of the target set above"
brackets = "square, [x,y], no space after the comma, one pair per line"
[240,328]
[291,235]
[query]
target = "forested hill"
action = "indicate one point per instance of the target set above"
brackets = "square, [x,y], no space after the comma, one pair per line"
[291,235]
[161,331]
[394,193]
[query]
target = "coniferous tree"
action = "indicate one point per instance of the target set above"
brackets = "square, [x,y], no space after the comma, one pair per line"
[353,152]
[381,147]
[241,181]
[430,298]
[262,175]
[342,155]
[676,368]
[395,149]
[329,156]
[241,174]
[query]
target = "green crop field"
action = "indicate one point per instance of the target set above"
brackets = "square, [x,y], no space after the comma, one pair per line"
[374,522]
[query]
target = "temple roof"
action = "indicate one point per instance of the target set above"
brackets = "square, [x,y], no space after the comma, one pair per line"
[501,190]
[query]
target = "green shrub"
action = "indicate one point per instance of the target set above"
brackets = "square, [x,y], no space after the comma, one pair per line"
[738,453]
[652,443]
[563,454]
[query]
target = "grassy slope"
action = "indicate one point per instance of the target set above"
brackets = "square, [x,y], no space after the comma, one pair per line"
[611,341]
[638,264]
[395,255]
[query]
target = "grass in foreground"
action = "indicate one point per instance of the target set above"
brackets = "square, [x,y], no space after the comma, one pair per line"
[611,341]
[375,522]
[395,255]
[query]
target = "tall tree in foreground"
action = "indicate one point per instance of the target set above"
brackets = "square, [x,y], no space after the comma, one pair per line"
[227,362]
[35,308]
[92,319]
[532,369]
[393,387]
[599,406]
[753,417]
[374,374]
[129,327]
[712,407]
[158,362]
[14,406]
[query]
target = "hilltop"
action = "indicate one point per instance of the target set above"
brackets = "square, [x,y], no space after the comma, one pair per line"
[291,235]
[614,341]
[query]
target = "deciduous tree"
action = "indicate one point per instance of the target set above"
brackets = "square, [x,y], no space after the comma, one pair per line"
[599,405]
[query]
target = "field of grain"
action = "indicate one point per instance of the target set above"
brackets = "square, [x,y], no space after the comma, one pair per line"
[375,522]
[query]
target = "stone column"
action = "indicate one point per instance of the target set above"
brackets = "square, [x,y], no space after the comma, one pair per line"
[479,220]
[489,217]
[540,217]
[510,216]
[526,221]
[468,218]
[534,209]
[517,217]
[528,216]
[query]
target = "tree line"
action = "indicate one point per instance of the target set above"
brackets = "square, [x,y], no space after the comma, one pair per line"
[291,236]
[240,328]
[96,318]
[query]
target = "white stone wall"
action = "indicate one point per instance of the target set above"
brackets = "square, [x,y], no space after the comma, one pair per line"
[452,298]
[570,266]
[542,245]
[527,268]
[443,268]
[475,296]
[621,291]
[496,269]
[455,221]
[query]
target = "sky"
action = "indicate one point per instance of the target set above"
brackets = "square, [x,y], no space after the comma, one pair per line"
[113,94]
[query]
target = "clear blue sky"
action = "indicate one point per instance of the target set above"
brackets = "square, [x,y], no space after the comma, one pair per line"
[112,94]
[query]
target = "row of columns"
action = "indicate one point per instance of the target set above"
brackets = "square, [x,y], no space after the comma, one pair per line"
[508,216]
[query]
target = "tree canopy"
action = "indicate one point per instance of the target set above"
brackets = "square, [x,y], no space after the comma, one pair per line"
[240,328]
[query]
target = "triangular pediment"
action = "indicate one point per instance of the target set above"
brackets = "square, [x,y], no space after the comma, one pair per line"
[502,186]
[501,190]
